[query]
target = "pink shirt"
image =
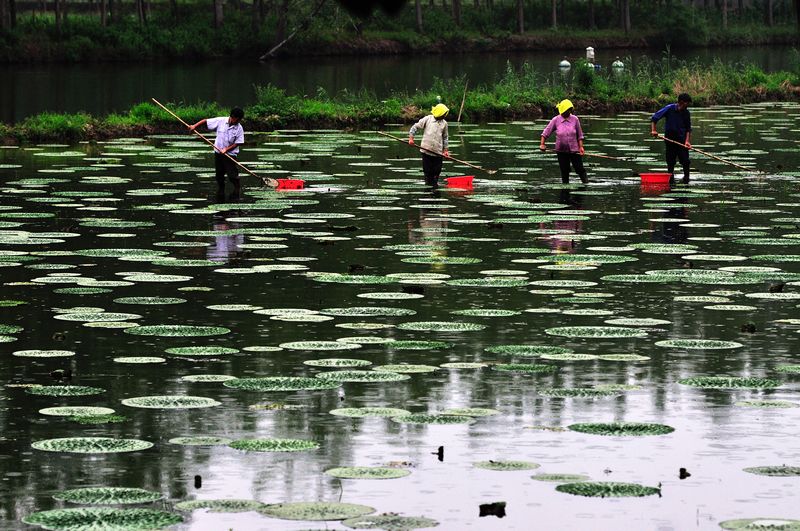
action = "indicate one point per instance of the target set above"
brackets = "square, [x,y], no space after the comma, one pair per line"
[568,132]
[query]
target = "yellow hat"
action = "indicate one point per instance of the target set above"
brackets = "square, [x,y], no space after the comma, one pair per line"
[564,106]
[439,110]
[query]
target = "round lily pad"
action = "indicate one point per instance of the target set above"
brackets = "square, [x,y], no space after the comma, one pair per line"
[170,402]
[70,411]
[315,511]
[730,382]
[607,489]
[422,418]
[103,518]
[367,472]
[281,383]
[596,332]
[108,496]
[64,390]
[707,344]
[761,524]
[91,445]
[622,428]
[221,506]
[504,466]
[362,412]
[778,470]
[177,330]
[43,353]
[392,522]
[200,441]
[273,445]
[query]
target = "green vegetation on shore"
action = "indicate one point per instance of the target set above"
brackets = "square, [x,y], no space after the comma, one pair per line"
[245,29]
[523,93]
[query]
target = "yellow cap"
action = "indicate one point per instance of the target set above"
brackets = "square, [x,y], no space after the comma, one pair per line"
[563,106]
[439,110]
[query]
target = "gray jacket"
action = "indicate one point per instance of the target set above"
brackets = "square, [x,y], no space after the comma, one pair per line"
[434,136]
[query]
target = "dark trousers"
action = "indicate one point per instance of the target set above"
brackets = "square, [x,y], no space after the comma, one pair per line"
[564,161]
[222,166]
[432,168]
[675,152]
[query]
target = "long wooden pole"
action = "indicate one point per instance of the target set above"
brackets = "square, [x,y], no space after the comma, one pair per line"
[266,180]
[465,163]
[662,137]
[463,99]
[597,155]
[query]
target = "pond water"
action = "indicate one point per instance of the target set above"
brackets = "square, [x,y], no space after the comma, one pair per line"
[100,89]
[92,233]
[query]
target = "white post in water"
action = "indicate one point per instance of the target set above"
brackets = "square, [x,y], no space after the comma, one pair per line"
[590,54]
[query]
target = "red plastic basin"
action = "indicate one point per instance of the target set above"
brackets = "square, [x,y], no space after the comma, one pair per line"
[291,184]
[462,181]
[655,178]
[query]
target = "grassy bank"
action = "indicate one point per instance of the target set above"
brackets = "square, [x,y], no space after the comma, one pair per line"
[188,31]
[523,93]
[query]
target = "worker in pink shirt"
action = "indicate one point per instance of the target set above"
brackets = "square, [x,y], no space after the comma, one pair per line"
[569,141]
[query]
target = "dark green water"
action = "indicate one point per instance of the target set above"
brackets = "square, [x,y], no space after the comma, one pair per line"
[100,89]
[375,182]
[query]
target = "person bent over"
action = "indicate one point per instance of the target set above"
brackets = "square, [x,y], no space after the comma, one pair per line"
[434,143]
[230,136]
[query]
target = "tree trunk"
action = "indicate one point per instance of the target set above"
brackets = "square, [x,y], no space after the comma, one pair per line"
[418,9]
[219,15]
[477,4]
[103,13]
[724,14]
[626,16]
[520,17]
[283,12]
[457,12]
[591,15]
[768,19]
[444,5]
[173,8]
[553,14]
[58,15]
[255,16]
[797,12]
[3,15]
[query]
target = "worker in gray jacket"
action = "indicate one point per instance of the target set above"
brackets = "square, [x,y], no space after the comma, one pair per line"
[434,143]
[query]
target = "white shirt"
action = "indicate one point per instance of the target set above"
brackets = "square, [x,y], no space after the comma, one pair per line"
[226,134]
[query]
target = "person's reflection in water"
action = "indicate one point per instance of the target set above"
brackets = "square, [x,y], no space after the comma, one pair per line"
[673,232]
[566,244]
[226,245]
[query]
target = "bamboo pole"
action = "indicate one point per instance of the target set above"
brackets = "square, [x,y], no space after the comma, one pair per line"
[662,137]
[465,163]
[266,180]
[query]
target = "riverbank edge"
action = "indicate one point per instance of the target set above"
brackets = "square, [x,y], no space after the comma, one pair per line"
[100,129]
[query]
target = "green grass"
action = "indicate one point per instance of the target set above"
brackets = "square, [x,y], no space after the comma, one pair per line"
[522,93]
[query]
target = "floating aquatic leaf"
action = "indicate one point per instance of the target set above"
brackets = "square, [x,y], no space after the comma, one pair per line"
[441,326]
[281,383]
[43,353]
[526,368]
[221,506]
[390,522]
[761,524]
[729,382]
[201,351]
[102,518]
[367,472]
[607,489]
[108,496]
[319,345]
[69,411]
[503,466]
[578,392]
[596,331]
[200,441]
[471,411]
[170,402]
[274,445]
[91,445]
[315,511]
[560,478]
[64,390]
[622,428]
[691,344]
[337,362]
[406,368]
[777,470]
[177,330]
[767,404]
[360,412]
[362,376]
[422,418]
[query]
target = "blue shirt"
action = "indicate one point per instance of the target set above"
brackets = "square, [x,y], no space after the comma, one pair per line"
[227,134]
[677,123]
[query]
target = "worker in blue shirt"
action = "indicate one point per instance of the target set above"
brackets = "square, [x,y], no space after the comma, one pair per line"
[678,128]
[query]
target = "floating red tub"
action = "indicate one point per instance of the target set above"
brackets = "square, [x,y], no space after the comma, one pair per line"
[462,181]
[291,184]
[655,178]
